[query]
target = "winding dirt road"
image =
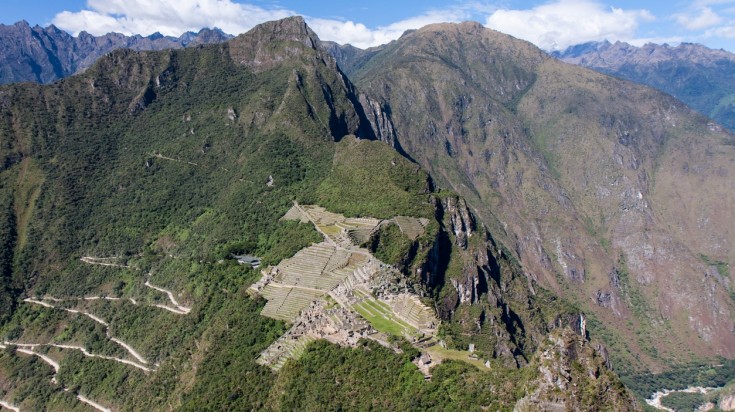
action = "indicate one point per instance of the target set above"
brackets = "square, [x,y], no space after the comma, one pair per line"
[124,345]
[183,310]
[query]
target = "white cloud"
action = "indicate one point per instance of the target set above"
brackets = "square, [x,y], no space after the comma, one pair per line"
[563,23]
[173,17]
[706,3]
[726,31]
[169,17]
[357,34]
[706,18]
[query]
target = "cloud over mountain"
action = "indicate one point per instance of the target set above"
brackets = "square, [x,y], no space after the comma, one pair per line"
[175,17]
[556,25]
[550,25]
[165,16]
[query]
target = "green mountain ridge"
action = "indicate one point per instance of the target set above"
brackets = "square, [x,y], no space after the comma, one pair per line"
[611,194]
[128,188]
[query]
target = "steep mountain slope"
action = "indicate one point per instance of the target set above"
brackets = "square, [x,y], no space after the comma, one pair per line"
[348,57]
[701,77]
[128,188]
[614,195]
[43,55]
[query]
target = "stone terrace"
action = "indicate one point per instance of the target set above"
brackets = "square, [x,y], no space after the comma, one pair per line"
[410,309]
[412,227]
[297,288]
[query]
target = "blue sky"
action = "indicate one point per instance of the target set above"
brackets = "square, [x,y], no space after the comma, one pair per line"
[553,24]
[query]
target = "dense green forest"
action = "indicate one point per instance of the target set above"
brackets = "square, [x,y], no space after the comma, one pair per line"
[681,377]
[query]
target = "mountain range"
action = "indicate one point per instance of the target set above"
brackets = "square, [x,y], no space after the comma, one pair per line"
[697,75]
[594,182]
[557,223]
[43,55]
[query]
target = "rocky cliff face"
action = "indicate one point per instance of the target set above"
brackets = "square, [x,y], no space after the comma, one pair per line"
[727,402]
[572,376]
[480,291]
[44,55]
[699,76]
[609,193]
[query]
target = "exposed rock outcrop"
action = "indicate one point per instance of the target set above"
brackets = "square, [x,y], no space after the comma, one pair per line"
[727,402]
[573,376]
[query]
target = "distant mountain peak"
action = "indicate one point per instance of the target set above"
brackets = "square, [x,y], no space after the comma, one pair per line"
[44,55]
[701,77]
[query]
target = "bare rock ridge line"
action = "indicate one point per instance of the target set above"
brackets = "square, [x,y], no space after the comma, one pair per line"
[127,347]
[46,54]
[645,192]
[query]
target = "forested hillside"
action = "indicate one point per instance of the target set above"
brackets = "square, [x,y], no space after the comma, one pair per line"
[129,189]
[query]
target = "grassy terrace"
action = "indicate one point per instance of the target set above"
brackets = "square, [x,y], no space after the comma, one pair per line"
[437,352]
[381,317]
[331,230]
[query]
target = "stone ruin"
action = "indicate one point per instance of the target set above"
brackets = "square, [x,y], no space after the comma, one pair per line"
[337,270]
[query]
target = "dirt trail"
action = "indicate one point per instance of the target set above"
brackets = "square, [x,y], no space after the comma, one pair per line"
[170,309]
[21,347]
[84,351]
[101,261]
[45,358]
[181,309]
[178,311]
[38,302]
[93,404]
[10,406]
[127,347]
[53,299]
[160,156]
[130,350]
